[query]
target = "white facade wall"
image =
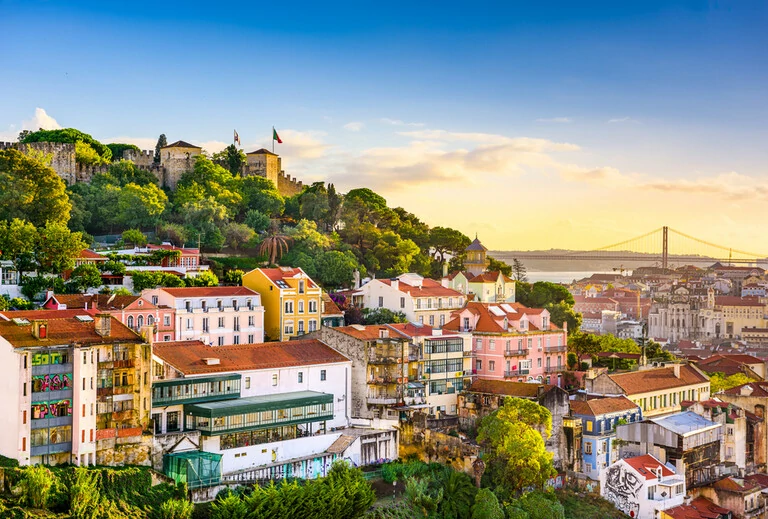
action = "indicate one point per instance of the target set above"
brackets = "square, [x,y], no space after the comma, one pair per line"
[191,324]
[628,490]
[13,378]
[416,309]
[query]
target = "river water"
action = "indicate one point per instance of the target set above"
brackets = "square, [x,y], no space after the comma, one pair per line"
[560,277]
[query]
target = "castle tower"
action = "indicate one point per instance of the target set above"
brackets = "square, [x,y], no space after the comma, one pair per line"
[264,163]
[476,261]
[176,159]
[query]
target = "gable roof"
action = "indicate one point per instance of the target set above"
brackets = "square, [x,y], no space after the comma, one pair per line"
[490,315]
[367,332]
[759,389]
[188,356]
[727,364]
[262,151]
[476,245]
[490,277]
[738,301]
[64,329]
[601,406]
[89,254]
[181,144]
[276,274]
[329,306]
[657,379]
[99,301]
[700,508]
[646,465]
[428,288]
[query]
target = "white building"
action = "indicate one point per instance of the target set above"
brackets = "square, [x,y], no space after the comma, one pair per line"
[9,280]
[641,486]
[422,300]
[262,407]
[214,315]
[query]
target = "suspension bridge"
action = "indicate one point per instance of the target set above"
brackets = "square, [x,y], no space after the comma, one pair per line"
[660,246]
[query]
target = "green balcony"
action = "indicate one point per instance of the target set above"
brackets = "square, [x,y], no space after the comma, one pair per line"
[195,390]
[258,412]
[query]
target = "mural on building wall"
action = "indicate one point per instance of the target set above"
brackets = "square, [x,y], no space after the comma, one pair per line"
[622,488]
[56,382]
[54,357]
[52,409]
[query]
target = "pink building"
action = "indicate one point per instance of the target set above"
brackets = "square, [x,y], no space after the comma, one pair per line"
[133,311]
[512,342]
[214,315]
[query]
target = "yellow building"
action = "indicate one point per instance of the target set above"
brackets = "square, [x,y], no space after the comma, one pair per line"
[739,313]
[291,300]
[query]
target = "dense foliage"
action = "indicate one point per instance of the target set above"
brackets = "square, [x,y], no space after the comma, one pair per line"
[86,147]
[554,297]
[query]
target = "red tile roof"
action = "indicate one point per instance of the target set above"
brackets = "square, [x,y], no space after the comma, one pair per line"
[100,301]
[700,508]
[64,329]
[647,465]
[733,485]
[210,291]
[727,364]
[601,406]
[488,322]
[187,356]
[490,277]
[738,301]
[280,273]
[759,479]
[367,332]
[759,389]
[329,307]
[508,388]
[657,379]
[428,288]
[89,254]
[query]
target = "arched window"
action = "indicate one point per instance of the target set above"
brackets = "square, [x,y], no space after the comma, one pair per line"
[140,321]
[150,320]
[130,321]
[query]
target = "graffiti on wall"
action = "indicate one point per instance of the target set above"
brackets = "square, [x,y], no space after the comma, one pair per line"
[56,382]
[54,357]
[622,488]
[52,409]
[556,482]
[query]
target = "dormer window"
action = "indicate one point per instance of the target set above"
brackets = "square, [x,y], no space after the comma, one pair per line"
[301,286]
[188,306]
[220,305]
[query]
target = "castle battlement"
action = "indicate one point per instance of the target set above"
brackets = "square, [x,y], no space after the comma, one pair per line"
[7,145]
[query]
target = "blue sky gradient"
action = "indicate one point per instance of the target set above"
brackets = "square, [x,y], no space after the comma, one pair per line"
[654,97]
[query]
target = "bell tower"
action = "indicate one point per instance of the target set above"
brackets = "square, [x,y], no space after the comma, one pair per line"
[476,261]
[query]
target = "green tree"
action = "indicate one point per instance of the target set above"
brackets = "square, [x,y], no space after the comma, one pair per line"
[87,156]
[382,316]
[458,495]
[117,149]
[141,206]
[335,269]
[32,286]
[84,495]
[126,172]
[230,507]
[176,509]
[237,234]
[205,278]
[275,244]
[232,158]
[582,343]
[134,237]
[423,500]
[562,312]
[393,254]
[234,277]
[144,280]
[174,233]
[444,240]
[513,439]
[486,506]
[495,265]
[69,135]
[257,220]
[57,248]
[541,505]
[334,207]
[719,382]
[84,277]
[519,270]
[31,191]
[162,142]
[17,240]
[305,236]
[36,486]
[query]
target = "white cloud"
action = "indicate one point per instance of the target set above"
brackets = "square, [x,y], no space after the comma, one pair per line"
[623,120]
[398,122]
[144,143]
[41,119]
[211,147]
[560,120]
[519,143]
[354,126]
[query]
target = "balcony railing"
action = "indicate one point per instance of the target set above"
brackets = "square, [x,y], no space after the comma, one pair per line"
[555,349]
[382,400]
[516,373]
[516,353]
[554,369]
[471,353]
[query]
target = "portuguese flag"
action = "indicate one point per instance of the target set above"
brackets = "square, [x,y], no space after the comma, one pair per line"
[275,136]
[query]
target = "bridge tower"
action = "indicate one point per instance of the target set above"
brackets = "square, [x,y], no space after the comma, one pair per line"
[665,247]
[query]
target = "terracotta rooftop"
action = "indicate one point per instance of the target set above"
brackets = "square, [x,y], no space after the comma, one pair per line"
[99,301]
[657,379]
[210,291]
[736,485]
[491,321]
[181,144]
[490,277]
[506,388]
[64,329]
[759,479]
[428,288]
[188,356]
[646,465]
[329,307]
[700,508]
[89,254]
[727,364]
[367,332]
[42,313]
[601,406]
[738,301]
[758,389]
[280,273]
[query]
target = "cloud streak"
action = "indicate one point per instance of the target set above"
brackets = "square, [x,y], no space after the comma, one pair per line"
[354,126]
[557,120]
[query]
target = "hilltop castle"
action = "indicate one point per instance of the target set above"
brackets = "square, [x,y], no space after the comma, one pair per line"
[175,159]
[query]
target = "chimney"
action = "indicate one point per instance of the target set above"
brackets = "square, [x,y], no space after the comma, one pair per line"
[676,368]
[148,334]
[383,333]
[211,361]
[395,283]
[103,325]
[40,328]
[445,269]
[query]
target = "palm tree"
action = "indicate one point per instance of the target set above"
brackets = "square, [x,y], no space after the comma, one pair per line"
[458,495]
[275,244]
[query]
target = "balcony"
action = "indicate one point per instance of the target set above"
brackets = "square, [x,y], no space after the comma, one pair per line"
[516,373]
[195,390]
[555,349]
[554,369]
[382,400]
[122,390]
[51,448]
[386,380]
[127,363]
[471,353]
[516,353]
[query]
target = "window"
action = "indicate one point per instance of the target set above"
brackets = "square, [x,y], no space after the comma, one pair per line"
[479,365]
[188,306]
[140,321]
[651,491]
[289,307]
[478,344]
[236,324]
[301,377]
[251,320]
[219,305]
[130,321]
[150,320]
[466,324]
[221,341]
[421,319]
[442,320]
[236,339]
[313,307]
[491,345]
[322,374]
[431,320]
[154,300]
[301,307]
[249,304]
[539,361]
[491,365]
[587,445]
[402,302]
[301,286]
[205,324]
[589,429]
[166,320]
[221,322]
[301,328]
[204,305]
[235,306]
[247,382]
[250,338]
[381,301]
[312,325]
[289,327]
[189,324]
[274,379]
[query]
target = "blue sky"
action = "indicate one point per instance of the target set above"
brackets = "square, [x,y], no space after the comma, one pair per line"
[573,117]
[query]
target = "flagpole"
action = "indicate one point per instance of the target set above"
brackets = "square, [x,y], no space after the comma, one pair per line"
[273,139]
